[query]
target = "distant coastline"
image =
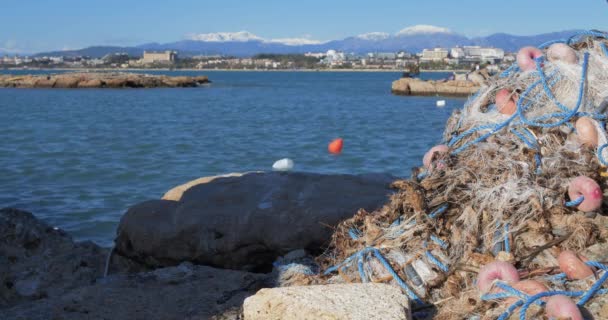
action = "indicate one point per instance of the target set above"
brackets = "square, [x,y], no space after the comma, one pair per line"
[216,70]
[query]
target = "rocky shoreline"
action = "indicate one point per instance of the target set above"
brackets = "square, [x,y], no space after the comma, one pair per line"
[100,80]
[237,221]
[46,275]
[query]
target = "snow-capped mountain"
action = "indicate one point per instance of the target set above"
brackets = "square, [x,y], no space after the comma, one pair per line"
[411,39]
[373,36]
[246,36]
[241,36]
[422,29]
[294,41]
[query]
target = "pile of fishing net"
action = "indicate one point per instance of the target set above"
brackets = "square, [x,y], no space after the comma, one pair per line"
[507,212]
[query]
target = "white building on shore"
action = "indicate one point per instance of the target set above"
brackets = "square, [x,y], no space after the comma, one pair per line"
[434,55]
[477,54]
[334,58]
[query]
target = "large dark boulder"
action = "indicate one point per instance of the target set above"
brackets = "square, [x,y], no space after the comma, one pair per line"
[246,222]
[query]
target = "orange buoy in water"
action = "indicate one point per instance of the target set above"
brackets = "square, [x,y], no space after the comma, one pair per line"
[335,147]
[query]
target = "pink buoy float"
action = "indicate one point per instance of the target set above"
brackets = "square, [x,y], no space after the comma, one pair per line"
[506,101]
[526,56]
[586,132]
[589,190]
[562,307]
[497,270]
[429,155]
[573,266]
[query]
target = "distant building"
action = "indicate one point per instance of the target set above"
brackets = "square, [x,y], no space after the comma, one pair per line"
[477,54]
[492,54]
[159,57]
[404,55]
[437,54]
[318,55]
[385,55]
[457,53]
[56,60]
[334,58]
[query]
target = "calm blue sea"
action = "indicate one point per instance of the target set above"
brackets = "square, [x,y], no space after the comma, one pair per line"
[79,158]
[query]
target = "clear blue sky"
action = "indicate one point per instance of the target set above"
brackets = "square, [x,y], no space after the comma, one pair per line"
[36,25]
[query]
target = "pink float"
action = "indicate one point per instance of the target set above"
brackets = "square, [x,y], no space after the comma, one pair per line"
[497,270]
[526,56]
[562,307]
[428,156]
[586,131]
[506,102]
[587,188]
[573,266]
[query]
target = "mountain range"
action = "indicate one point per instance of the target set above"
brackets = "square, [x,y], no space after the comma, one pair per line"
[411,39]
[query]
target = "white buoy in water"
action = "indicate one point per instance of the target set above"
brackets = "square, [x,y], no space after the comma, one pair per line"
[283,165]
[441,103]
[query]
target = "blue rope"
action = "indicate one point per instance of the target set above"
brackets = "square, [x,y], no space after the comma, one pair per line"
[575,202]
[596,116]
[360,254]
[537,297]
[596,286]
[557,277]
[497,239]
[440,242]
[548,43]
[422,175]
[436,262]
[531,137]
[338,266]
[604,48]
[360,268]
[510,70]
[539,163]
[396,222]
[438,211]
[599,154]
[496,128]
[410,293]
[510,310]
[507,292]
[354,233]
[507,244]
[531,144]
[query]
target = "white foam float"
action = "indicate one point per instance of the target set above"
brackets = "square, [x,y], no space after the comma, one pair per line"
[285,164]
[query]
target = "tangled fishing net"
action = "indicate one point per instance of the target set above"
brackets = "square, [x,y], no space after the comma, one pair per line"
[499,193]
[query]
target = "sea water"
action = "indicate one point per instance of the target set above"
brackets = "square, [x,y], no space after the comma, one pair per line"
[78,158]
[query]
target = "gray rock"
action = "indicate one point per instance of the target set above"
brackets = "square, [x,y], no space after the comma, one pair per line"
[27,287]
[246,222]
[38,261]
[205,293]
